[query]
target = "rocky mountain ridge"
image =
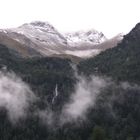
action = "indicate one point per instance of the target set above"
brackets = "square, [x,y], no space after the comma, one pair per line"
[42,39]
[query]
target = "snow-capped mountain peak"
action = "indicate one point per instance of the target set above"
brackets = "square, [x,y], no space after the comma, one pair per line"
[90,37]
[43,26]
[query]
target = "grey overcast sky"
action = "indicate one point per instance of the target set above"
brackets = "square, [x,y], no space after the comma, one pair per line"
[109,16]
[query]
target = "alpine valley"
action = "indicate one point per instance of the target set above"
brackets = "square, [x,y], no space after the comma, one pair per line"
[69,86]
[42,39]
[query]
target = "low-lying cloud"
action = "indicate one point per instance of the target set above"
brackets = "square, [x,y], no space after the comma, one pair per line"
[83,98]
[86,94]
[15,96]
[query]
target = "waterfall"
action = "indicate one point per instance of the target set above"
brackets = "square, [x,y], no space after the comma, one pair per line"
[55,94]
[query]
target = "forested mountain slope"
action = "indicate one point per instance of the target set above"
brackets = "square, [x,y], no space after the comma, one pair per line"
[121,62]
